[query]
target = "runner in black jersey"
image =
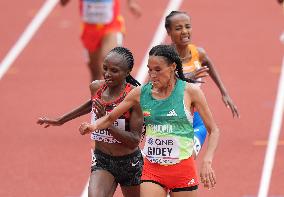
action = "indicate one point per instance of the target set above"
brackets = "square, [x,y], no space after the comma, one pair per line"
[116,158]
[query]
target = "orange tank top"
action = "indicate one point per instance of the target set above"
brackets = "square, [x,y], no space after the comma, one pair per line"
[194,62]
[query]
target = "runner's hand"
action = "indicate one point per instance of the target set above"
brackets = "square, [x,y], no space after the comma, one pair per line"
[86,128]
[64,2]
[198,74]
[98,108]
[134,8]
[46,122]
[229,104]
[207,175]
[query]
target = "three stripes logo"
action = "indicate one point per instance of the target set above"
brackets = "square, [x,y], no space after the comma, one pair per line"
[172,113]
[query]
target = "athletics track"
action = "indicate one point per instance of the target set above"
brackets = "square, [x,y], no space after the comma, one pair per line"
[49,77]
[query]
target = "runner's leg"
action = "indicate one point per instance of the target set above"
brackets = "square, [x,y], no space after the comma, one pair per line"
[101,184]
[131,191]
[149,189]
[109,41]
[95,64]
[184,194]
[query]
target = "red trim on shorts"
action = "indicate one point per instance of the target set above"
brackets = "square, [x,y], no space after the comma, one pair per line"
[172,177]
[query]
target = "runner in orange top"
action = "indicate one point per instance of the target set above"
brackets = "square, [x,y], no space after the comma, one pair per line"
[195,62]
[178,26]
[102,29]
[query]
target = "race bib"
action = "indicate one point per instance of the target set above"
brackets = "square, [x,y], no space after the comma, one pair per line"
[120,123]
[104,135]
[162,150]
[97,11]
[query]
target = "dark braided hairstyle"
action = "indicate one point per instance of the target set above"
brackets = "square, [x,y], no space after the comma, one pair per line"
[129,61]
[168,18]
[169,53]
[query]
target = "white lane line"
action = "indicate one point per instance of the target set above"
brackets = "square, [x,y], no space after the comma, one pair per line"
[273,138]
[158,38]
[26,36]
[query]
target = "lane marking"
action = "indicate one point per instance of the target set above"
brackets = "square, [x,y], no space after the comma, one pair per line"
[26,36]
[273,138]
[265,142]
[158,38]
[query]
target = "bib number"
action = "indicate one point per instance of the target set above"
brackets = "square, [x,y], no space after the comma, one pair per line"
[97,11]
[162,150]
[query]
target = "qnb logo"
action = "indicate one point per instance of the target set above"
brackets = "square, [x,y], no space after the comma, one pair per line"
[172,113]
[150,141]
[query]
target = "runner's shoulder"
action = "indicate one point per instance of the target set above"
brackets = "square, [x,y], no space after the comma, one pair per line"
[95,85]
[201,51]
[192,88]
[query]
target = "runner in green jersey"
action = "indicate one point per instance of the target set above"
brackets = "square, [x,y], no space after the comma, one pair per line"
[169,127]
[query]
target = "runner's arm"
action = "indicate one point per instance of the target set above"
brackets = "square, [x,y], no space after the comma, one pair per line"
[198,101]
[106,121]
[131,138]
[205,61]
[83,109]
[64,2]
[134,7]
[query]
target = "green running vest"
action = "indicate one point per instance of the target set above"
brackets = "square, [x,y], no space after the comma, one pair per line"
[169,131]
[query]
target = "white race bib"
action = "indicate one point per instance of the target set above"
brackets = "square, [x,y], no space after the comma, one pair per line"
[104,135]
[97,11]
[162,150]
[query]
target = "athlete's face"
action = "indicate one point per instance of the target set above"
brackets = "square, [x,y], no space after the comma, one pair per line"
[180,29]
[114,70]
[160,71]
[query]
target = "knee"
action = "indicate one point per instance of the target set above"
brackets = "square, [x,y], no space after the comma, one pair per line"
[94,191]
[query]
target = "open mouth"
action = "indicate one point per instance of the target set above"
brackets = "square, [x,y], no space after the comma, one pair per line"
[185,39]
[108,80]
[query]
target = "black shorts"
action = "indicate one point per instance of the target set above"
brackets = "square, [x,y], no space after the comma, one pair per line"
[127,169]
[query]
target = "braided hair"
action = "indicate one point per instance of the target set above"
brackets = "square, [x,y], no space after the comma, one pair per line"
[169,53]
[128,60]
[168,18]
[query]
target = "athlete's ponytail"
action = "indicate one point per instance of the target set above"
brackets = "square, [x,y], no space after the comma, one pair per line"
[132,81]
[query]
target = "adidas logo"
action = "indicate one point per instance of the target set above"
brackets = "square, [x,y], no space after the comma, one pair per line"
[191,182]
[172,113]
